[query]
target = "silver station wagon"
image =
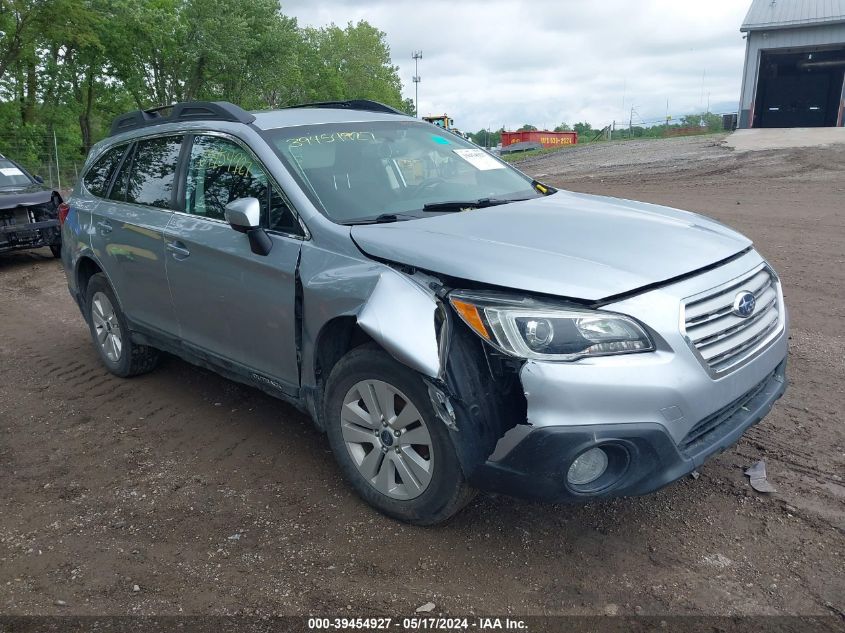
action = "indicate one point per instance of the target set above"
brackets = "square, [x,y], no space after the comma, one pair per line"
[448,322]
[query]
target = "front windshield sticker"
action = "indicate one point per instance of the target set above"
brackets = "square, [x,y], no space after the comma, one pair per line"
[341,137]
[479,159]
[11,171]
[439,139]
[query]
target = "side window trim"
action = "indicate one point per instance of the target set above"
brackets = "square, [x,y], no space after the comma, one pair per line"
[179,202]
[127,154]
[304,234]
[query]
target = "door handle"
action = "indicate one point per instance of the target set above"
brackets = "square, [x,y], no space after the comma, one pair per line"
[178,249]
[105,227]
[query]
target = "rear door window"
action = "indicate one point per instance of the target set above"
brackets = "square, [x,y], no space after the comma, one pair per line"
[152,177]
[98,177]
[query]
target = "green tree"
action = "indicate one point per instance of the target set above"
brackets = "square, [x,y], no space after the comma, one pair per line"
[563,127]
[487,138]
[583,129]
[691,120]
[352,63]
[67,67]
[527,128]
[20,22]
[408,107]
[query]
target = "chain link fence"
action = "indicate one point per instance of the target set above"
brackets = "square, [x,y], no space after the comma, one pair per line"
[44,155]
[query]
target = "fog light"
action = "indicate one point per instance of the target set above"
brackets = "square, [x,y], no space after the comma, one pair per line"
[588,466]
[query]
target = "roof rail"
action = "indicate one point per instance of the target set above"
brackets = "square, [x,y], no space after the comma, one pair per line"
[352,104]
[180,112]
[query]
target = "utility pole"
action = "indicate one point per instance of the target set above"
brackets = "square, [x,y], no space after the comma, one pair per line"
[417,56]
[631,124]
[56,149]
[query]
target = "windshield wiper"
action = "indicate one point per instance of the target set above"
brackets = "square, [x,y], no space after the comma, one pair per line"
[459,205]
[384,218]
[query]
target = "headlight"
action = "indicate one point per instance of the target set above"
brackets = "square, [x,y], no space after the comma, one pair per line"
[530,329]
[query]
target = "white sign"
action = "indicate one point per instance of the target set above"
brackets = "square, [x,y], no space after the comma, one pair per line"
[479,159]
[11,171]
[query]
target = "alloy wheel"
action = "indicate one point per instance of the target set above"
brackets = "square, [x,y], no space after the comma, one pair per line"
[106,326]
[388,439]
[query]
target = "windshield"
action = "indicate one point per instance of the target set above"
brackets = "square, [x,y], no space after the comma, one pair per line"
[359,171]
[11,175]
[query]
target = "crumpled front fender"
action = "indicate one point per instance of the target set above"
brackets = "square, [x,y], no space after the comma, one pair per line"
[400,316]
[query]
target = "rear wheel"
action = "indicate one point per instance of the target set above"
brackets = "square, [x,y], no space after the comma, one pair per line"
[56,249]
[111,337]
[388,441]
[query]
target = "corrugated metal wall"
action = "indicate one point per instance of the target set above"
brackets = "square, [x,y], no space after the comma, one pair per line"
[769,13]
[797,38]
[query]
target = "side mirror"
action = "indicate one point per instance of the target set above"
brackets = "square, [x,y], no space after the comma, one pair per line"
[38,179]
[244,215]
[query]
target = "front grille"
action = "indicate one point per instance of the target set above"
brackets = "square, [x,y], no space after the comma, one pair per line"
[723,421]
[724,340]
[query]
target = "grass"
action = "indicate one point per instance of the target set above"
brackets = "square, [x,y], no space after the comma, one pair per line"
[520,156]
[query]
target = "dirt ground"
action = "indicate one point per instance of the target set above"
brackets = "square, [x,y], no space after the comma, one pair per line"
[213,498]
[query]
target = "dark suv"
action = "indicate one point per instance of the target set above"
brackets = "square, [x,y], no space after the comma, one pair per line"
[29,211]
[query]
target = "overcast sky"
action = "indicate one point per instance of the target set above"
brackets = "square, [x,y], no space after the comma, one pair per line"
[508,62]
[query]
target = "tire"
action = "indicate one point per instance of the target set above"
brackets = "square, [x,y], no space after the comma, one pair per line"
[56,249]
[393,440]
[108,329]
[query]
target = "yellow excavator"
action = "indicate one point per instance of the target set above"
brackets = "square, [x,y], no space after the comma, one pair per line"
[445,122]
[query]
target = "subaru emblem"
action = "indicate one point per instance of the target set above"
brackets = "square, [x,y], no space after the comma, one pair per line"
[744,304]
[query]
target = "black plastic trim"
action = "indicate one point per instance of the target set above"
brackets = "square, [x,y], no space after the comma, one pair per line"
[352,104]
[180,113]
[181,175]
[146,335]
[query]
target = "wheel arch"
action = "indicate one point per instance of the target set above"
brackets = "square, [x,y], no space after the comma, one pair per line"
[336,338]
[86,267]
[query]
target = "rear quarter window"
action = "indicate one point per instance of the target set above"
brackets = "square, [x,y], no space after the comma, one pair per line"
[98,177]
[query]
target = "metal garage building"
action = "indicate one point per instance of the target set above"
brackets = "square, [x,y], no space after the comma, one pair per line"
[794,64]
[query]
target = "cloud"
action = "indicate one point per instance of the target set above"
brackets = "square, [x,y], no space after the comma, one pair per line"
[509,62]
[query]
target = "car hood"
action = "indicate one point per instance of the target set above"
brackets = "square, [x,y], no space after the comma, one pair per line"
[567,244]
[26,196]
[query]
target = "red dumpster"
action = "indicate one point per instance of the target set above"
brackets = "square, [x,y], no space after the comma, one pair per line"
[543,137]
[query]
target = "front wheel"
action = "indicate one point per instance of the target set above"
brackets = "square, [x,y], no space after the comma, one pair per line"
[388,441]
[56,250]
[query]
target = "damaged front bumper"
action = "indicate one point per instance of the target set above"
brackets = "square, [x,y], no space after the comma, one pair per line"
[29,235]
[640,420]
[643,455]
